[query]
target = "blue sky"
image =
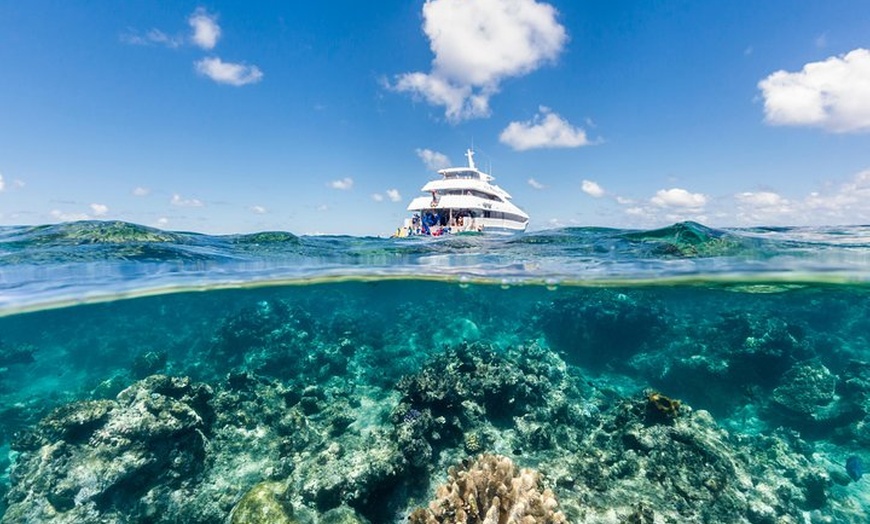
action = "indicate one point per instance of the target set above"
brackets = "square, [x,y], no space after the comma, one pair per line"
[328,117]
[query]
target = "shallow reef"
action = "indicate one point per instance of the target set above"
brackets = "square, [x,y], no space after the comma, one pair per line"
[602,406]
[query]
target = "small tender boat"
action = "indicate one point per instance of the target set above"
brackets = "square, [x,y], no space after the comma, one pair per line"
[463,200]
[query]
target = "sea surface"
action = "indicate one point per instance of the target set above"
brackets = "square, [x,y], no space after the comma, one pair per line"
[594,375]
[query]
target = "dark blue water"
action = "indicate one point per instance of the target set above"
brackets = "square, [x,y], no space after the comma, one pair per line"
[592,375]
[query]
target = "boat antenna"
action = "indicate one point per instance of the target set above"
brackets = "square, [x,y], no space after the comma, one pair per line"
[470,154]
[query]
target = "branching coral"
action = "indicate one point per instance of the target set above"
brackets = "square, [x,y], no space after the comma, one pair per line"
[491,490]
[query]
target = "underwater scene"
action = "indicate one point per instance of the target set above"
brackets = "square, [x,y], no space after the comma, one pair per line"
[581,375]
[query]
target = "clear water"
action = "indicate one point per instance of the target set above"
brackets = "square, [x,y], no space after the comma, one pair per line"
[312,348]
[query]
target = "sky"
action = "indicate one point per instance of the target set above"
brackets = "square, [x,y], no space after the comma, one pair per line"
[328,117]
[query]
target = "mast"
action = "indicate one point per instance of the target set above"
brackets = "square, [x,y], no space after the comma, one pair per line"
[470,154]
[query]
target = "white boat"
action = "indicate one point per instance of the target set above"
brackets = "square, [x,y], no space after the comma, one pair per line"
[463,200]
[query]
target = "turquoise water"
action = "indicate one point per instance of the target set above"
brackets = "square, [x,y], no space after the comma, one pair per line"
[679,375]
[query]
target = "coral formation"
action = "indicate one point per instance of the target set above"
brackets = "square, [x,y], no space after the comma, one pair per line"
[265,503]
[808,390]
[604,329]
[687,471]
[491,489]
[660,408]
[94,460]
[471,387]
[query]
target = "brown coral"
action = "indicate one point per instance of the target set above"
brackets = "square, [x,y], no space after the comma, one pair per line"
[490,490]
[661,408]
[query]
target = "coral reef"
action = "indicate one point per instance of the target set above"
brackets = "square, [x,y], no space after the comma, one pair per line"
[468,391]
[259,334]
[490,489]
[330,412]
[94,460]
[149,363]
[604,329]
[265,503]
[808,391]
[688,470]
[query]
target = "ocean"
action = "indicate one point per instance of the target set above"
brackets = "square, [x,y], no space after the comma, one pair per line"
[589,375]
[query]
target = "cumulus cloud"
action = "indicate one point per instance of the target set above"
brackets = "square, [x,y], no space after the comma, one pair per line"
[535,184]
[765,207]
[99,210]
[433,159]
[678,198]
[761,199]
[2,183]
[377,197]
[206,31]
[477,44]
[140,191]
[177,200]
[592,189]
[344,184]
[833,95]
[545,130]
[228,72]
[394,195]
[260,210]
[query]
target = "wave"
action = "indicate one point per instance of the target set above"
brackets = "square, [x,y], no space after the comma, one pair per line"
[91,260]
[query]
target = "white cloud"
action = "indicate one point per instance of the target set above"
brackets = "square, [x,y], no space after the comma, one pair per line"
[57,214]
[141,191]
[228,72]
[377,197]
[624,201]
[545,130]
[433,159]
[344,184]
[177,200]
[535,184]
[592,189]
[846,203]
[761,199]
[763,207]
[679,198]
[2,184]
[152,37]
[394,195]
[833,95]
[206,31]
[162,222]
[260,210]
[477,44]
[99,210]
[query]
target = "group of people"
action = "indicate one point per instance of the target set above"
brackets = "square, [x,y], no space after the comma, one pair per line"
[434,223]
